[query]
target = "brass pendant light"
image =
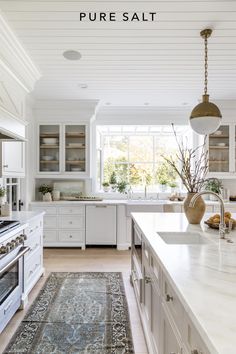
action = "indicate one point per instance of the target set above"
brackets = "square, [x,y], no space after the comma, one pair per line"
[206,116]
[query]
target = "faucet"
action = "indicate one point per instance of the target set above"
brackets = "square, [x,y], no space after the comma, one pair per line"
[145,191]
[222,226]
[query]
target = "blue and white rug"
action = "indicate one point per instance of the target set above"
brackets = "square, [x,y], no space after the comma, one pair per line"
[82,313]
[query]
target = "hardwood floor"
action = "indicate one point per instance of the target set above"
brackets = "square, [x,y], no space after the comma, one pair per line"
[75,260]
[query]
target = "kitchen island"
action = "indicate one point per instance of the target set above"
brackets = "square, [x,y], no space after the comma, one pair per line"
[186,292]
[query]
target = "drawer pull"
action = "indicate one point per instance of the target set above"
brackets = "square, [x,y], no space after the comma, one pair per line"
[8,307]
[71,222]
[195,351]
[5,166]
[148,280]
[169,298]
[71,236]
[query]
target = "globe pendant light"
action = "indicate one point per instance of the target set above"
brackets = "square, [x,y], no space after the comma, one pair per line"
[205,117]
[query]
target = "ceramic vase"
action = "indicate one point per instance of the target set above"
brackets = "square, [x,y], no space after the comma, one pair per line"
[195,214]
[47,197]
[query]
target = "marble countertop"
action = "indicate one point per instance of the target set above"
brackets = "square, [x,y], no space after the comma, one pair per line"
[125,202]
[23,217]
[203,276]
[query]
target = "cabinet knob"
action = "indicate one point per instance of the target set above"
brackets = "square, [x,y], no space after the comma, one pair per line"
[147,280]
[71,222]
[70,236]
[169,298]
[5,166]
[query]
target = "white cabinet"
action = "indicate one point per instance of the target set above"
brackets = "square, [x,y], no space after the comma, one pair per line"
[63,149]
[170,343]
[167,326]
[13,159]
[101,224]
[222,155]
[33,260]
[64,226]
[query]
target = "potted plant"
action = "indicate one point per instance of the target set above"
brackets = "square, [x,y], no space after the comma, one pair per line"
[106,186]
[113,181]
[173,185]
[162,176]
[163,184]
[213,185]
[46,191]
[191,165]
[122,187]
[2,194]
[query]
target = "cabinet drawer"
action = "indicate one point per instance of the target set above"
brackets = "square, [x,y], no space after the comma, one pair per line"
[78,210]
[156,271]
[71,222]
[145,251]
[72,236]
[49,210]
[34,226]
[49,236]
[191,338]
[32,266]
[173,304]
[50,222]
[33,242]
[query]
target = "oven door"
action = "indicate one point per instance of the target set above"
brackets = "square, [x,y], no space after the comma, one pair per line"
[11,273]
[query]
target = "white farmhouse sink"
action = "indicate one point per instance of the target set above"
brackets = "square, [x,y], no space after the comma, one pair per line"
[183,238]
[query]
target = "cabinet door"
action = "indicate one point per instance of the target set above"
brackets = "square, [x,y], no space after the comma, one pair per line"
[219,150]
[170,341]
[49,148]
[147,292]
[13,159]
[75,148]
[155,318]
[101,225]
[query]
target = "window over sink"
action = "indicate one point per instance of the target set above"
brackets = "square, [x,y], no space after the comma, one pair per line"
[135,152]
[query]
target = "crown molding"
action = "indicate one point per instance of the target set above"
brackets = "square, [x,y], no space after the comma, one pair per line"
[15,60]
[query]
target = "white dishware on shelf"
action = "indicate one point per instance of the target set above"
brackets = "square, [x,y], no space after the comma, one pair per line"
[218,132]
[221,144]
[50,141]
[76,169]
[47,158]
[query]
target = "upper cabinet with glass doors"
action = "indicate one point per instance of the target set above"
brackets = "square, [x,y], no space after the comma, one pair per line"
[63,149]
[222,151]
[75,148]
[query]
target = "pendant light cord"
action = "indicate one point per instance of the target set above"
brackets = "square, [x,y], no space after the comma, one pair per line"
[206,66]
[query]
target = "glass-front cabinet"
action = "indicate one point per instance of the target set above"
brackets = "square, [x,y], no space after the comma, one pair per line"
[49,148]
[75,147]
[62,149]
[219,144]
[222,151]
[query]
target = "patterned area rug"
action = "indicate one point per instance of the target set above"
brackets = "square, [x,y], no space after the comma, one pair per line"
[78,313]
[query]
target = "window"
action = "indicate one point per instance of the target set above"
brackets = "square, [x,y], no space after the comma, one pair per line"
[135,154]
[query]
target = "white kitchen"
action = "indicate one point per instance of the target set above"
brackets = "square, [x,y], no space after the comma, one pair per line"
[117,177]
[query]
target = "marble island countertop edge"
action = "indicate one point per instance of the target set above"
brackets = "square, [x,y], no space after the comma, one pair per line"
[198,272]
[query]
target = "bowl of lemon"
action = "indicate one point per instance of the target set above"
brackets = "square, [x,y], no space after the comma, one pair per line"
[214,221]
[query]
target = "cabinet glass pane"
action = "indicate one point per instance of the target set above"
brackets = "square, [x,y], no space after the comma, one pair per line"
[219,150]
[49,142]
[75,145]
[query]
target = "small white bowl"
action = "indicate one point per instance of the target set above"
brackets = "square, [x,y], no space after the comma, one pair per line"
[76,169]
[50,141]
[47,158]
[218,132]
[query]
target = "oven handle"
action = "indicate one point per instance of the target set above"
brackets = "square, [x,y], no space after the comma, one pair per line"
[20,254]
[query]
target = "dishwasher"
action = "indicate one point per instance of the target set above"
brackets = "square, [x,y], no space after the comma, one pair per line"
[100,224]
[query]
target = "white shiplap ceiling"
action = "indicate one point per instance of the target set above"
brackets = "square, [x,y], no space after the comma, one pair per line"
[156,63]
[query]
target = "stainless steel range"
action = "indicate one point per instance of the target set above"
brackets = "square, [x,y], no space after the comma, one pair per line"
[11,252]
